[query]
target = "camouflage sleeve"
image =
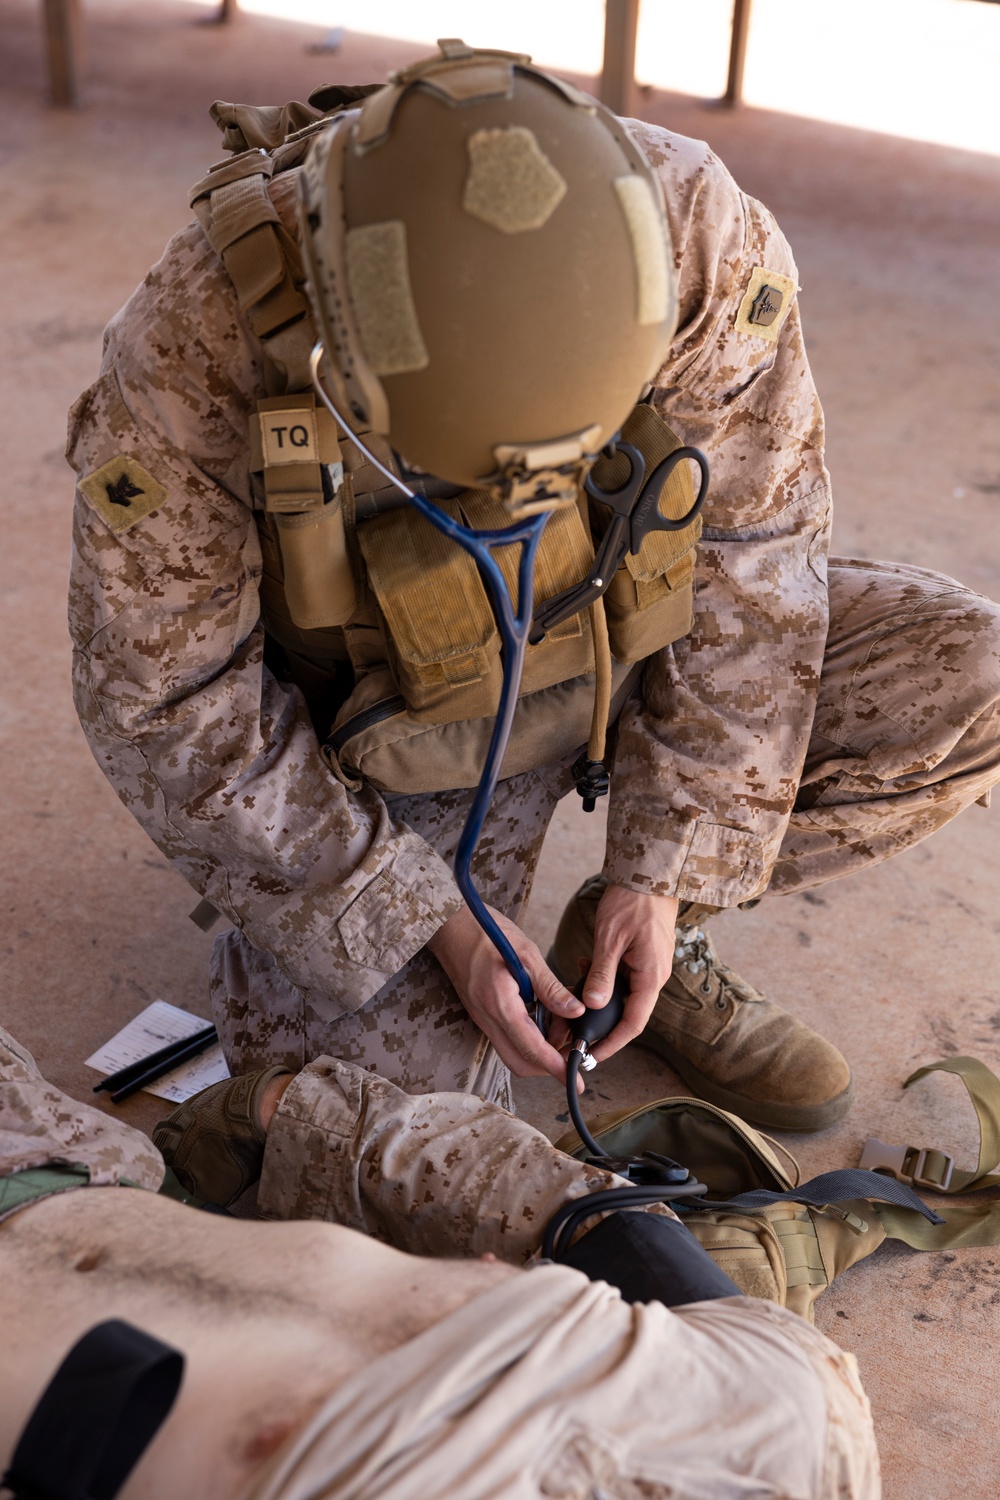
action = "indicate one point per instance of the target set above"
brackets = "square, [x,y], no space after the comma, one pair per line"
[709,758]
[217,760]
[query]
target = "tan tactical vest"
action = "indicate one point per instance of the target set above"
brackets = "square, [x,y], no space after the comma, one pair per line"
[384,624]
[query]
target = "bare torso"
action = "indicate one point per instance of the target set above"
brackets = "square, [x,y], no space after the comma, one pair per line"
[270,1317]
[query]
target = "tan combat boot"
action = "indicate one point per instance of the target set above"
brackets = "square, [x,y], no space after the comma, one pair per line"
[729,1043]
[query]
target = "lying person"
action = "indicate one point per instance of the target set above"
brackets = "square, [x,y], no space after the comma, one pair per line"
[416,1358]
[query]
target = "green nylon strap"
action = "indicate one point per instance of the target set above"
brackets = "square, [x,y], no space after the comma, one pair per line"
[978,1224]
[964,1227]
[984,1090]
[22,1188]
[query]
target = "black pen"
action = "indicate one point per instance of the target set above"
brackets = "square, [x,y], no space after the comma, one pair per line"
[191,1047]
[167,1056]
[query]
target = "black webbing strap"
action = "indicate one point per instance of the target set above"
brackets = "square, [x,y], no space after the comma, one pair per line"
[832,1187]
[96,1417]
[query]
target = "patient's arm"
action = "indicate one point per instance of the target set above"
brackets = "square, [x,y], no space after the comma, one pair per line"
[435,1174]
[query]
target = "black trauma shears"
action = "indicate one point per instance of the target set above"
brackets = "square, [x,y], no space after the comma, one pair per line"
[635,513]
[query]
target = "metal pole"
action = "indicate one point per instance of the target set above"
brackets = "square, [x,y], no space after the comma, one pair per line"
[621,24]
[63,39]
[738,52]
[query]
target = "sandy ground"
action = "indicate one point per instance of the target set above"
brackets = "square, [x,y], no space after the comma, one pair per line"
[898,249]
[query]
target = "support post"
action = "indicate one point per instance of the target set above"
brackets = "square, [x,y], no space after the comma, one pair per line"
[63,40]
[225,12]
[621,25]
[738,52]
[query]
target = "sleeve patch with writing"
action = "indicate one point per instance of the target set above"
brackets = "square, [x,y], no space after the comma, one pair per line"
[765,304]
[122,492]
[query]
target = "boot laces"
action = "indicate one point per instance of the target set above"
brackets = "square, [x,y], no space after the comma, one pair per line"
[694,951]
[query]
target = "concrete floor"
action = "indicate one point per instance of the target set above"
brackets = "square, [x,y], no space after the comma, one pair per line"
[898,250]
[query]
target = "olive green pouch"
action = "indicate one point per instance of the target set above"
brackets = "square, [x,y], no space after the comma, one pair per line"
[785,1252]
[789,1252]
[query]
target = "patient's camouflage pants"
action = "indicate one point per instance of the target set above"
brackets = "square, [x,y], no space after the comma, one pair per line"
[906,735]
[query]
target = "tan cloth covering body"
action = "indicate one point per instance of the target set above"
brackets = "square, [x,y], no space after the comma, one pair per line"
[551,1386]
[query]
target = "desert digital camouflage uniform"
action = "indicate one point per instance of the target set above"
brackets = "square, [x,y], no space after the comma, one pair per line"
[442,1174]
[817,719]
[42,1127]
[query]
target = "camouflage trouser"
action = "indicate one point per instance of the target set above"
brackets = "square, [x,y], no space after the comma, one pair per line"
[907,726]
[906,735]
[433,1174]
[415,1031]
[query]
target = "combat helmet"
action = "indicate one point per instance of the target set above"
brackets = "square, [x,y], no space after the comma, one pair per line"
[490,266]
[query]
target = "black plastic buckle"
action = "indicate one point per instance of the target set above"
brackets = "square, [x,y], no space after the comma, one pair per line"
[593,780]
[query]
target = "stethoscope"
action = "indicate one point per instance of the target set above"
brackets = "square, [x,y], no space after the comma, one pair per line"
[635,515]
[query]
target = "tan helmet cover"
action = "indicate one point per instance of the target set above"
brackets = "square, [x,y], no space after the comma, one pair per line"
[491,269]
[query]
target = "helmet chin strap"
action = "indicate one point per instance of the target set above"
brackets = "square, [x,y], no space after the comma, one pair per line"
[515,626]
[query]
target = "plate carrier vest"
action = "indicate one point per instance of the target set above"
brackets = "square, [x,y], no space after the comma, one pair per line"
[384,624]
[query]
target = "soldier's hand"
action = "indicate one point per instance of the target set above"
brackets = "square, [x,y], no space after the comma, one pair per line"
[636,929]
[488,992]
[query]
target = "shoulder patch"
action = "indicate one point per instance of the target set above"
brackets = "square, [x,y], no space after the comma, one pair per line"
[765,304]
[122,492]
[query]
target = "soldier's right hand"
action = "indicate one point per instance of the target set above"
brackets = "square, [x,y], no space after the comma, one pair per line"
[487,989]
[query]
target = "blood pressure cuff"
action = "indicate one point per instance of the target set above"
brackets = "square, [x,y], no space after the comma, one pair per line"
[649,1258]
[96,1417]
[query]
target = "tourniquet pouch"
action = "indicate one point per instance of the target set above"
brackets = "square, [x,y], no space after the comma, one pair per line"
[649,602]
[785,1252]
[314,658]
[296,462]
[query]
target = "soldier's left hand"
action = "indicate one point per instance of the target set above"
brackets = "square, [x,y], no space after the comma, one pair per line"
[635,929]
[488,992]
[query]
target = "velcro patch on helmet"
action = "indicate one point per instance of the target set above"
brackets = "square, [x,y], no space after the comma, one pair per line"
[122,492]
[378,275]
[766,304]
[645,227]
[511,185]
